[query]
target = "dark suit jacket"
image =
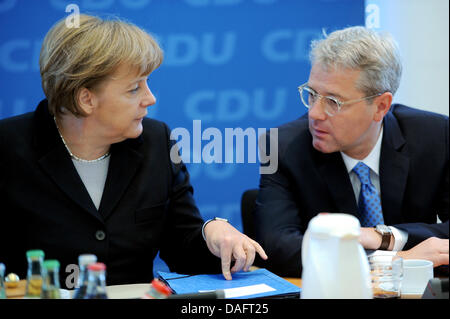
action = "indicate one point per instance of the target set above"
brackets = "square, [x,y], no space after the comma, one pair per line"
[147,204]
[414,180]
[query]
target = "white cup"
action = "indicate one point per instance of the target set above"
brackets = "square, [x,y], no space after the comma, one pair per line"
[416,274]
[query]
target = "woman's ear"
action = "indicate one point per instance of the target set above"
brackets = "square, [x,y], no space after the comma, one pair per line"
[86,100]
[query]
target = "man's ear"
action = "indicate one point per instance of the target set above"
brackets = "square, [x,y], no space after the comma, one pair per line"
[86,100]
[382,104]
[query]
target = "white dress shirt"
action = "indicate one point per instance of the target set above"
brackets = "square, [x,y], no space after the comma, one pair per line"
[373,162]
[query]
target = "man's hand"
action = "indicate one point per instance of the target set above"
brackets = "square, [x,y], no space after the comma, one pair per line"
[433,249]
[229,244]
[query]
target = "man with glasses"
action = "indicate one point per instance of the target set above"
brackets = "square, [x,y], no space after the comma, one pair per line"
[355,153]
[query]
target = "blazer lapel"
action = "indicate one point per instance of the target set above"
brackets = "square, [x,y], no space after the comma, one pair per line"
[394,168]
[334,172]
[124,163]
[55,160]
[60,168]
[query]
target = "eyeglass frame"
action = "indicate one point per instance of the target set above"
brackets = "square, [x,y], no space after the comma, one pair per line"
[337,101]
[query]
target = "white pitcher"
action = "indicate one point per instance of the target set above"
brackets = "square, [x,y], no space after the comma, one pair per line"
[334,262]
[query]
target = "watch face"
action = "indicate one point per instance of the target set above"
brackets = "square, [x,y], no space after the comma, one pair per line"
[383,229]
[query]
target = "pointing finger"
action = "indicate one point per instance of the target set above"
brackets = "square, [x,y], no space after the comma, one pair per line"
[225,256]
[260,250]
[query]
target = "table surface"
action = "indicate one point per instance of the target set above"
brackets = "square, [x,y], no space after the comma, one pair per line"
[114,292]
[136,290]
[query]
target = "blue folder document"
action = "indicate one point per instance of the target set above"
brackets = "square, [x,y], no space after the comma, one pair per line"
[259,283]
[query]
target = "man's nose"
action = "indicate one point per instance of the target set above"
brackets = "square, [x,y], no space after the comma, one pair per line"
[316,111]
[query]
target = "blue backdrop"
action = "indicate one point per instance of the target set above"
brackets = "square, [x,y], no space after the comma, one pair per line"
[228,63]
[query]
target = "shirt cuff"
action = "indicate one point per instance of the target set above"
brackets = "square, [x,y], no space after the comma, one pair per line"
[400,238]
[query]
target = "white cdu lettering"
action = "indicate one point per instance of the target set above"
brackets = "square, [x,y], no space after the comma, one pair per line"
[234,104]
[187,49]
[288,45]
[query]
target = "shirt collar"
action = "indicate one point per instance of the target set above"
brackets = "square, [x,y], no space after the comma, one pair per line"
[372,160]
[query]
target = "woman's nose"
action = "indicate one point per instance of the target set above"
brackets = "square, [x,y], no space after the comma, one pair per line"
[149,99]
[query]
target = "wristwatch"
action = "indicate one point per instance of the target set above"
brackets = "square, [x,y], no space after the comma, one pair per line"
[385,233]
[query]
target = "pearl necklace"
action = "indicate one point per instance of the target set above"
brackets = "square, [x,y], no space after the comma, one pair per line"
[76,157]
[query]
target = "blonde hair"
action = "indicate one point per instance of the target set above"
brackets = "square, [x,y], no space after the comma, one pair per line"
[358,48]
[73,58]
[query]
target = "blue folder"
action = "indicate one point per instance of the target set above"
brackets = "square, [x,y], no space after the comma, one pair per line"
[185,284]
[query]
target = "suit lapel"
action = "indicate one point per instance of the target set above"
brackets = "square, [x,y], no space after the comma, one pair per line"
[333,170]
[55,160]
[394,168]
[124,163]
[58,165]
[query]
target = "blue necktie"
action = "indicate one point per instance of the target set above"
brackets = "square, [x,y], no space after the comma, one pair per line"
[370,212]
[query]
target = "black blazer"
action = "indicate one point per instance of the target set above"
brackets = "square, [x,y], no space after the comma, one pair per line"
[414,180]
[147,204]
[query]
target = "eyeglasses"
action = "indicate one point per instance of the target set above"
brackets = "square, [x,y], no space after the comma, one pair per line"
[332,105]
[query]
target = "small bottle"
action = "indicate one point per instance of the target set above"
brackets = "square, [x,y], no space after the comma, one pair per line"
[50,284]
[2,284]
[158,290]
[84,261]
[34,274]
[96,288]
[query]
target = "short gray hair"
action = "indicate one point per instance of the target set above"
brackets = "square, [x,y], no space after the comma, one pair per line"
[358,48]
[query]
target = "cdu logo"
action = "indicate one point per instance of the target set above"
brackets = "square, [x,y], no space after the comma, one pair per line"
[287,45]
[236,104]
[20,55]
[187,49]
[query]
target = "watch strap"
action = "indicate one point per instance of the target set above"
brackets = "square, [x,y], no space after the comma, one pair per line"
[385,241]
[385,233]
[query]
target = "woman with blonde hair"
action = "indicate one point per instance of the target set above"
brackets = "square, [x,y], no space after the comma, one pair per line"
[87,172]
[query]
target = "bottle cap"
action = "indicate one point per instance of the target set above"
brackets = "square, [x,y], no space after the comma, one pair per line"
[97,266]
[161,287]
[51,264]
[35,253]
[86,259]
